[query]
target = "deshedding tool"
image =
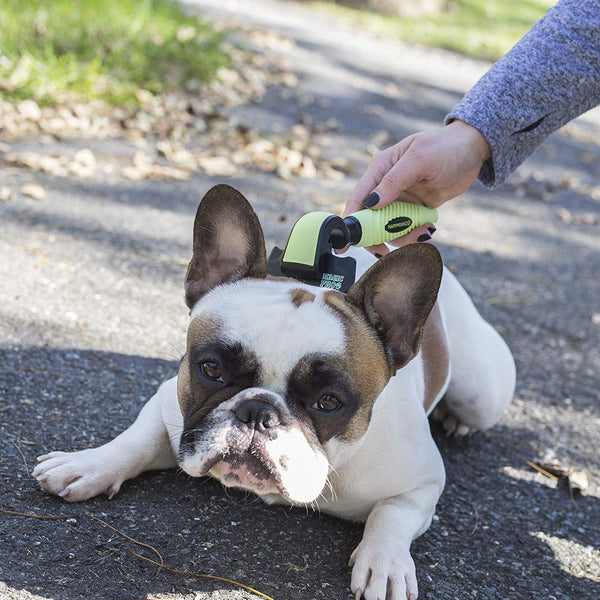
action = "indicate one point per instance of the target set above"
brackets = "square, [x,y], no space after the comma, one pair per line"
[308,254]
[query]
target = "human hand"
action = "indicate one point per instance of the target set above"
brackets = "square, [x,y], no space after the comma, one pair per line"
[429,168]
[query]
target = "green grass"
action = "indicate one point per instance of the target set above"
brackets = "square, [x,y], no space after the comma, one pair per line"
[57,50]
[480,28]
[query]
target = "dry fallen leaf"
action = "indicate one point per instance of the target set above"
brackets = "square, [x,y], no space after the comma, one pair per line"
[565,215]
[341,163]
[134,173]
[334,174]
[308,170]
[381,139]
[176,154]
[6,194]
[33,190]
[25,159]
[142,160]
[29,109]
[550,466]
[83,163]
[217,166]
[578,481]
[190,128]
[166,172]
[85,157]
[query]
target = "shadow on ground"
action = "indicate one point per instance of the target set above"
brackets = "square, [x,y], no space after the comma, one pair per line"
[72,399]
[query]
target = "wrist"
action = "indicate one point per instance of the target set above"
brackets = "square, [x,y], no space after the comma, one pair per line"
[473,138]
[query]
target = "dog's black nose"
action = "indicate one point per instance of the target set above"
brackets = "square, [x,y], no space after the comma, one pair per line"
[258,415]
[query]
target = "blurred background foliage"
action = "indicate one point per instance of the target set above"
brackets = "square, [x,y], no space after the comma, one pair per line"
[480,28]
[58,50]
[54,51]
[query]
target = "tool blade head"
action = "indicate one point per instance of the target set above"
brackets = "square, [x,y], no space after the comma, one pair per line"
[274,262]
[338,273]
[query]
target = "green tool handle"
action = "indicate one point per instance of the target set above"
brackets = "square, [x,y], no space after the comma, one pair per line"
[394,221]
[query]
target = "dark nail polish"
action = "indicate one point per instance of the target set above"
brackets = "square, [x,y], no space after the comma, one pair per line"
[371,200]
[424,238]
[377,256]
[431,230]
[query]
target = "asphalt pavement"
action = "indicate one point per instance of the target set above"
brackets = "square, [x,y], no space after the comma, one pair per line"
[92,319]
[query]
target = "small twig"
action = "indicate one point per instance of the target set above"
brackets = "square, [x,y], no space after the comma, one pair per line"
[20,514]
[203,576]
[542,471]
[22,456]
[162,562]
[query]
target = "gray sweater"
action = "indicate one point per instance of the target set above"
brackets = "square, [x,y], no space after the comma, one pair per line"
[550,77]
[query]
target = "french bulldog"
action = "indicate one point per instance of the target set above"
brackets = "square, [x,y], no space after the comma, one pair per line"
[309,397]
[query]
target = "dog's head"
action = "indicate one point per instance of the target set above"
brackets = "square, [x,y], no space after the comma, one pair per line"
[279,378]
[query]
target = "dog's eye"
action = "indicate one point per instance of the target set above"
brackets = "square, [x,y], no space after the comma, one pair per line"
[327,403]
[211,370]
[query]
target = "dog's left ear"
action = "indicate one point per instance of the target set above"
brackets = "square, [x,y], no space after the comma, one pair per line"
[228,243]
[396,295]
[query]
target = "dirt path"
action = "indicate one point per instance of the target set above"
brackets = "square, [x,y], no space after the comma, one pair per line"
[92,319]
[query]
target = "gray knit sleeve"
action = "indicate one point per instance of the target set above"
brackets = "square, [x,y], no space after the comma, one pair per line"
[550,77]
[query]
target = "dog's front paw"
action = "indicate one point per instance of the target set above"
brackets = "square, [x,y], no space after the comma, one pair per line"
[77,476]
[453,426]
[382,573]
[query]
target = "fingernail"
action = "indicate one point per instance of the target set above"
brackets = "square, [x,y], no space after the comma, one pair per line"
[377,256]
[371,200]
[431,230]
[424,238]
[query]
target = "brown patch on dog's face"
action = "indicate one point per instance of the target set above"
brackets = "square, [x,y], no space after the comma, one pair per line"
[365,351]
[206,357]
[300,296]
[358,376]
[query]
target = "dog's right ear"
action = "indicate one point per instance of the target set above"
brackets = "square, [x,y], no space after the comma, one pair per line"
[228,243]
[396,296]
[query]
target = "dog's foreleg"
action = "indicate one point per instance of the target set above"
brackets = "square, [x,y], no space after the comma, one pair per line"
[144,446]
[383,568]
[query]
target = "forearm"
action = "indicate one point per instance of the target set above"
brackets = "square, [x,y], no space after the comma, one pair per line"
[550,77]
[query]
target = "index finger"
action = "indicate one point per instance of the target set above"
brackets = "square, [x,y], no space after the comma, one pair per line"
[364,186]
